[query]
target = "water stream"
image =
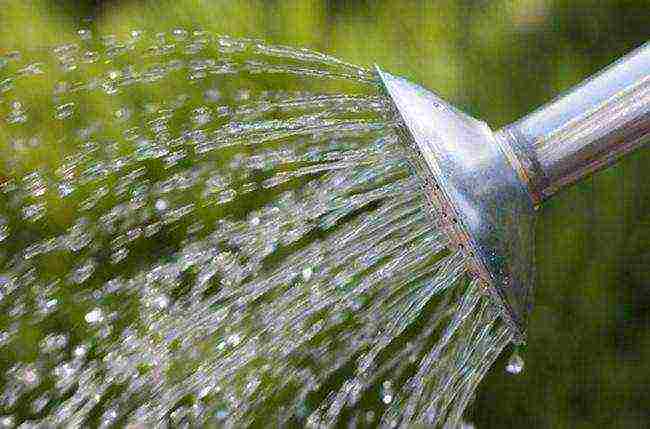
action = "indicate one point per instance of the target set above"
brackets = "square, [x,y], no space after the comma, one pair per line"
[202,230]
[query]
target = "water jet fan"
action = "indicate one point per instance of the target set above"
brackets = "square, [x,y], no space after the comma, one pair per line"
[194,232]
[488,186]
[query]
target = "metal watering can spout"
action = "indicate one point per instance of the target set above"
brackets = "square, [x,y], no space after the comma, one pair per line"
[486,186]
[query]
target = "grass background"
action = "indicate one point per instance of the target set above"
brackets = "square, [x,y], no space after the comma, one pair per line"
[588,358]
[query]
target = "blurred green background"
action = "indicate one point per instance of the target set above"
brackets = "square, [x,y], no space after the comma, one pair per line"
[588,358]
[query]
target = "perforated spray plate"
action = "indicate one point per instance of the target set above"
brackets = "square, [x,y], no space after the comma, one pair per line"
[475,191]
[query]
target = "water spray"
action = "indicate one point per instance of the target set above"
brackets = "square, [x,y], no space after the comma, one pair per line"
[487,186]
[193,232]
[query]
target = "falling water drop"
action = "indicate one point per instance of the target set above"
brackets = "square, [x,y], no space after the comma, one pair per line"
[7,422]
[6,84]
[212,95]
[387,392]
[307,272]
[65,189]
[161,205]
[39,403]
[80,351]
[94,316]
[179,33]
[90,56]
[64,111]
[515,364]
[123,113]
[4,229]
[30,376]
[34,212]
[161,302]
[201,115]
[85,33]
[17,115]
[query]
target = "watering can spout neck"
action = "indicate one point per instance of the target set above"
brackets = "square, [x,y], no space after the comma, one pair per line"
[585,129]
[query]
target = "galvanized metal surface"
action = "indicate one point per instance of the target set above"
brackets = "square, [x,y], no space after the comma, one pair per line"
[476,191]
[587,128]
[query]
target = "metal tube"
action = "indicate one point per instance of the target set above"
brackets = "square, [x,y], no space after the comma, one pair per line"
[585,129]
[483,187]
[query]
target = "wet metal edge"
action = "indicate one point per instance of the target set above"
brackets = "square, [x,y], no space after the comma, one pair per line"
[476,192]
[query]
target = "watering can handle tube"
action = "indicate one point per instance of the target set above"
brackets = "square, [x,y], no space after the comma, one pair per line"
[585,129]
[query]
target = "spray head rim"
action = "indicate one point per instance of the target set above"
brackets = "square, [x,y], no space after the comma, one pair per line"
[472,186]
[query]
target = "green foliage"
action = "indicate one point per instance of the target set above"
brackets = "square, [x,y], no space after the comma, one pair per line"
[587,362]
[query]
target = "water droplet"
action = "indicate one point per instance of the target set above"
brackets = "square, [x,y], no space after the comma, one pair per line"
[221,344]
[6,84]
[65,189]
[161,302]
[109,87]
[39,403]
[179,33]
[123,114]
[226,196]
[7,422]
[80,351]
[94,316]
[31,69]
[212,95]
[83,272]
[161,205]
[30,376]
[119,255]
[34,184]
[85,33]
[4,229]
[53,343]
[230,45]
[201,115]
[90,57]
[234,339]
[152,229]
[78,235]
[34,212]
[64,111]
[242,95]
[17,115]
[515,364]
